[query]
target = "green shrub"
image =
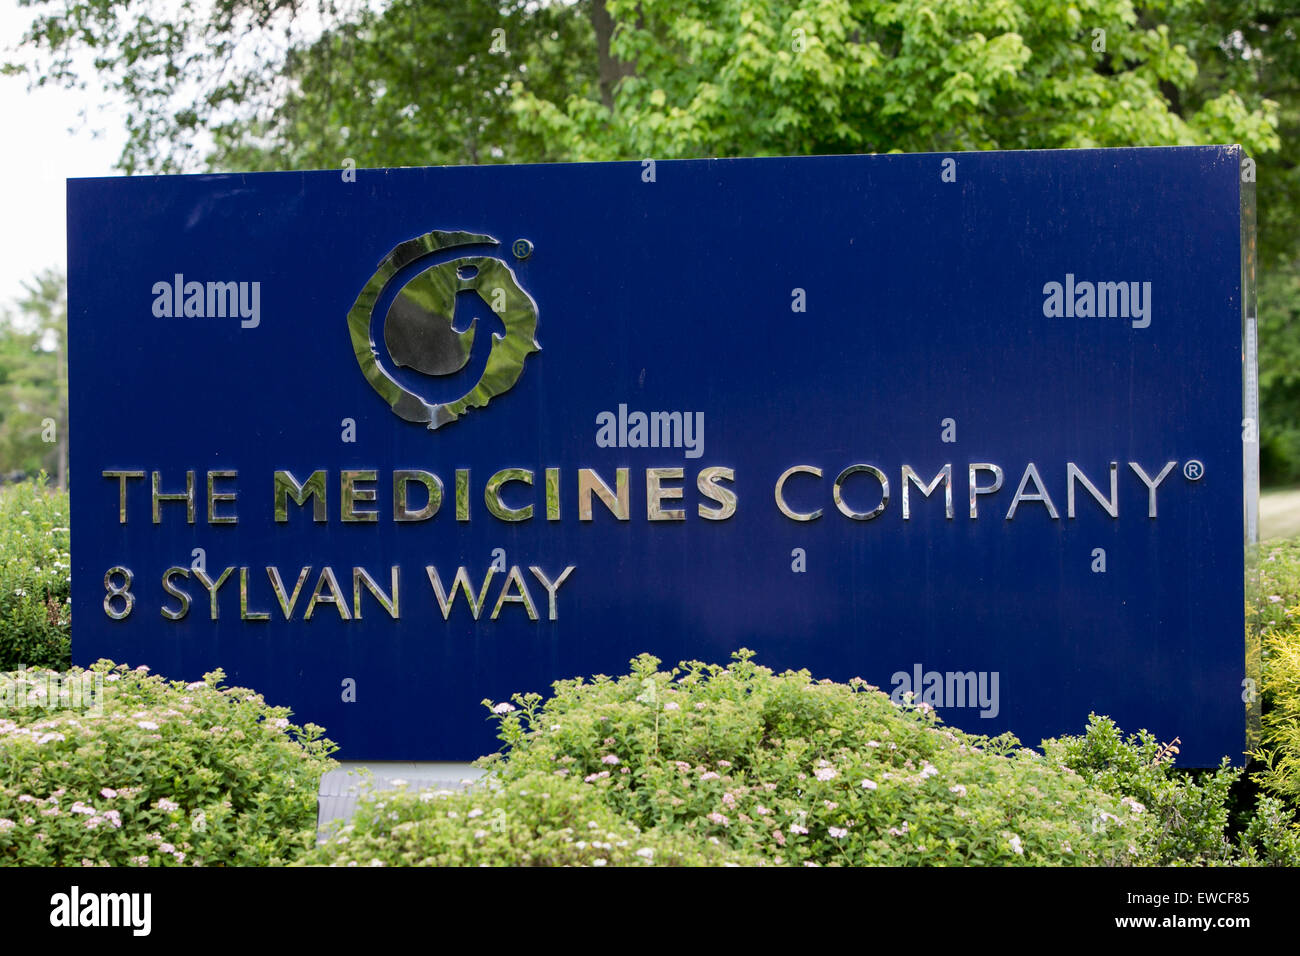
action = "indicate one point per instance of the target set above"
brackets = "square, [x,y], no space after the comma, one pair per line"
[534,820]
[1279,585]
[1279,753]
[113,766]
[1276,619]
[1189,810]
[1271,838]
[736,764]
[35,620]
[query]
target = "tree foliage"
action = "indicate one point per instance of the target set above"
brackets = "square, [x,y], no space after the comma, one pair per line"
[274,82]
[779,77]
[33,384]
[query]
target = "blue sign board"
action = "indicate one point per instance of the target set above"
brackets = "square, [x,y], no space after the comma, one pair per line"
[383,444]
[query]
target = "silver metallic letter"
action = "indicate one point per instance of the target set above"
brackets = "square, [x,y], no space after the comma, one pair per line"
[461,581]
[352,493]
[492,494]
[523,597]
[780,488]
[654,495]
[837,492]
[976,489]
[334,597]
[214,496]
[287,601]
[1031,473]
[1152,484]
[244,613]
[552,494]
[186,496]
[122,477]
[360,576]
[401,496]
[1111,506]
[287,486]
[910,477]
[552,586]
[213,586]
[175,592]
[589,481]
[707,481]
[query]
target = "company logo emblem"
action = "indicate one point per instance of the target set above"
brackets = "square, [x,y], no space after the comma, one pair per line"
[418,329]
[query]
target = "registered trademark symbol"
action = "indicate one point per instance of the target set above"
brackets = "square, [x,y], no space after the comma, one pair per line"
[1193,470]
[522,248]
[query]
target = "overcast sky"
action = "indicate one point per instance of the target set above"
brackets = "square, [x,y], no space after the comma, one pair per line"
[45,144]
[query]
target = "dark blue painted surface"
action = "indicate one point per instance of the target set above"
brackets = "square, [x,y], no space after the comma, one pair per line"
[924,302]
